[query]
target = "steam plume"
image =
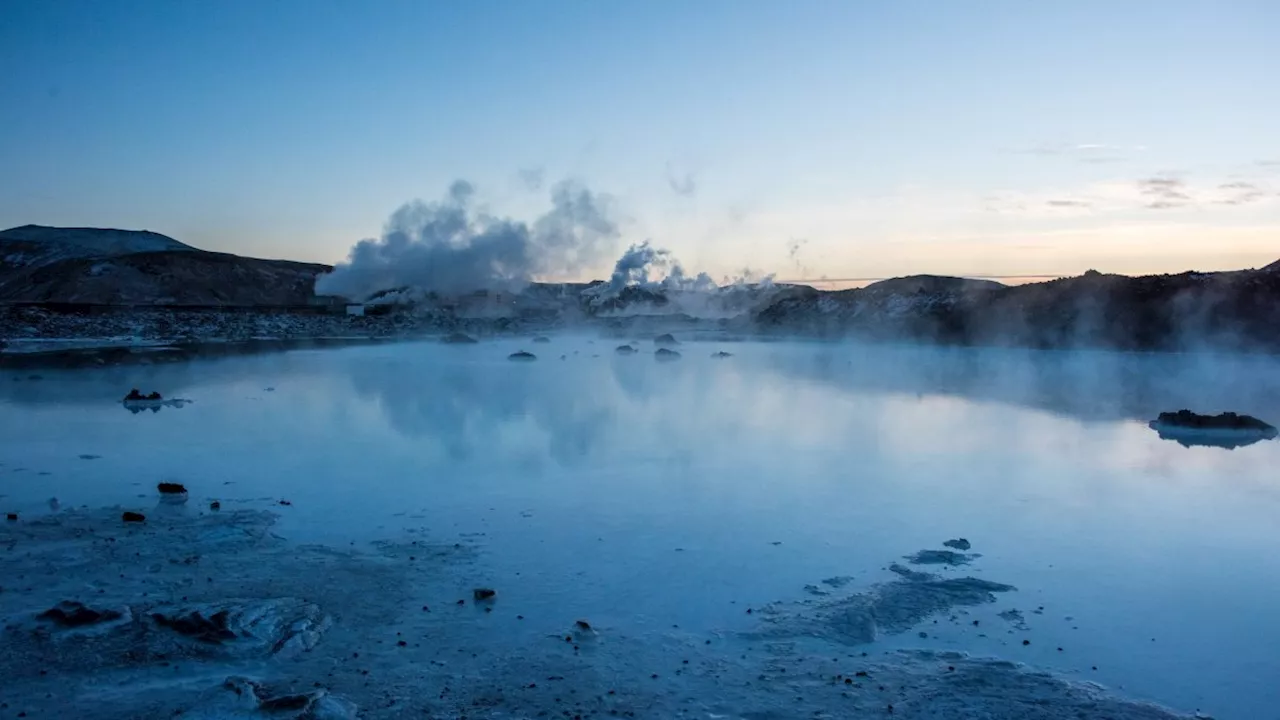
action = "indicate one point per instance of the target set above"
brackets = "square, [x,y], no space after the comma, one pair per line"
[451,247]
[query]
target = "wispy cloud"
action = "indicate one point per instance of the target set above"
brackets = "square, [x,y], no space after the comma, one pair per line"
[1091,153]
[1164,193]
[682,184]
[532,178]
[1240,193]
[1157,192]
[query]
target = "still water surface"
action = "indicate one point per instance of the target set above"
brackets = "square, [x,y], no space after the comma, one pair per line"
[644,494]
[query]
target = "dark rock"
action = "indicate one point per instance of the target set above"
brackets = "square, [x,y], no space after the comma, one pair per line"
[457,338]
[483,593]
[11,517]
[285,703]
[171,488]
[215,505]
[1227,430]
[1223,421]
[71,614]
[583,625]
[722,354]
[133,517]
[665,354]
[666,340]
[958,544]
[542,339]
[212,629]
[522,355]
[625,350]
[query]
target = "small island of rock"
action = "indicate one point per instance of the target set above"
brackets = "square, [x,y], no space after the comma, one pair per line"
[522,356]
[666,340]
[665,354]
[1227,430]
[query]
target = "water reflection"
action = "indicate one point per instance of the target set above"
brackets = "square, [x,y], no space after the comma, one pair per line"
[1088,386]
[465,409]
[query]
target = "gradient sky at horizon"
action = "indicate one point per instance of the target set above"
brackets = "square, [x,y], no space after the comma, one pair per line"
[807,139]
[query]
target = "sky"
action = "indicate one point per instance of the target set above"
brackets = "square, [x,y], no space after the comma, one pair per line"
[808,139]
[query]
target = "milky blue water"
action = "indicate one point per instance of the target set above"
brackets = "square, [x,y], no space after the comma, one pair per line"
[647,494]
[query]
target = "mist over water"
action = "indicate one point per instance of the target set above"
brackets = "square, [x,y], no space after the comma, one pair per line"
[643,494]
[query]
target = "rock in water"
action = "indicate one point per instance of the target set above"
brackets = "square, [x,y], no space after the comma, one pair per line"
[133,517]
[1226,430]
[666,340]
[1223,421]
[665,354]
[958,544]
[722,354]
[171,488]
[625,350]
[542,339]
[71,614]
[522,356]
[483,593]
[241,628]
[457,338]
[939,557]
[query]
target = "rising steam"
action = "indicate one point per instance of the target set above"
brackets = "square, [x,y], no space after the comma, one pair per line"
[451,247]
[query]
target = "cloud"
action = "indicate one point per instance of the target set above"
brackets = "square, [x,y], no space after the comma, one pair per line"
[532,178]
[1164,193]
[684,185]
[1240,193]
[1068,203]
[1090,153]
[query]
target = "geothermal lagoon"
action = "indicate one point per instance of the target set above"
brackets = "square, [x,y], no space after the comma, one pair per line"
[787,529]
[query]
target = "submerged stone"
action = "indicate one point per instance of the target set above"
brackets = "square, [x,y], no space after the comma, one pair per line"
[72,614]
[958,544]
[665,354]
[171,488]
[542,339]
[133,517]
[939,557]
[457,338]
[522,356]
[666,339]
[722,354]
[483,593]
[624,350]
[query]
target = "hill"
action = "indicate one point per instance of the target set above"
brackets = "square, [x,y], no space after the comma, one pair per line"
[1227,310]
[129,267]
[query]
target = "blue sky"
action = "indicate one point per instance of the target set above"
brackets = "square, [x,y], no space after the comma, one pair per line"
[808,139]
